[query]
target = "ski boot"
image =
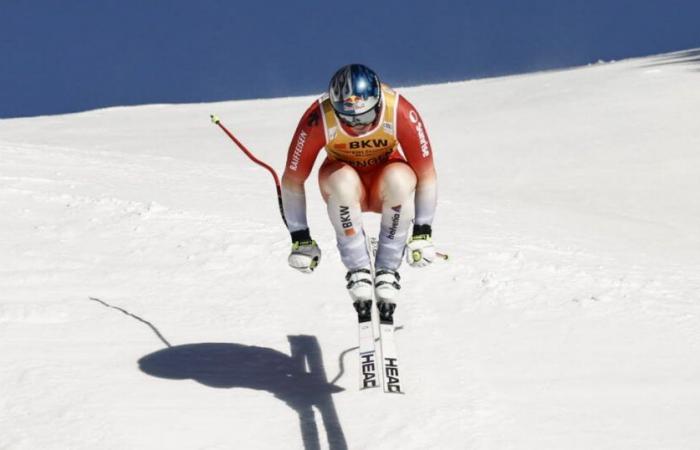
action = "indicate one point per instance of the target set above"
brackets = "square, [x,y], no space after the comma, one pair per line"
[360,289]
[386,289]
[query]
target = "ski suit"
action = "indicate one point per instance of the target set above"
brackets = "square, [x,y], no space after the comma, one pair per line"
[387,169]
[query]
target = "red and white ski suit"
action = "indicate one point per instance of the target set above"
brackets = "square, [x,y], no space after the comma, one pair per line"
[360,173]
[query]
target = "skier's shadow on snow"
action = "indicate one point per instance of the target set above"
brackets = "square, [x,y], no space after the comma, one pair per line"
[221,365]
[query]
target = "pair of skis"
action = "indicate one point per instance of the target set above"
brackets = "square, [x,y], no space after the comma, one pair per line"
[369,376]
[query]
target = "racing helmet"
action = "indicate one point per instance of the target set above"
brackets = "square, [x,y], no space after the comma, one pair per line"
[356,94]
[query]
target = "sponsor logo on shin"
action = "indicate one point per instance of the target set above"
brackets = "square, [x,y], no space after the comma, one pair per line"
[298,149]
[394,221]
[345,221]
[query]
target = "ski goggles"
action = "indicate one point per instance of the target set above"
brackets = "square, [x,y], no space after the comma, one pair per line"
[360,120]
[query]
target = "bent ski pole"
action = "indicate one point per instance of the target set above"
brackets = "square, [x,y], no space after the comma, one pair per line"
[252,157]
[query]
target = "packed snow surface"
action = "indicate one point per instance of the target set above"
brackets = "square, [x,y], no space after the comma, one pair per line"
[146,303]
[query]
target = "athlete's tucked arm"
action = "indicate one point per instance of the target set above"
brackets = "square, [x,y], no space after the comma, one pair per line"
[308,140]
[416,147]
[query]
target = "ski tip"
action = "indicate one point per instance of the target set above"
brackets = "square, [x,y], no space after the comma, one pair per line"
[214,119]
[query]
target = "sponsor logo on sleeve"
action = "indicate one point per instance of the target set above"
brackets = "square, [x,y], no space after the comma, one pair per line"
[298,150]
[422,139]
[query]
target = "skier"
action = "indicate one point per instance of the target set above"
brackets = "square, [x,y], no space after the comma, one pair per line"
[379,159]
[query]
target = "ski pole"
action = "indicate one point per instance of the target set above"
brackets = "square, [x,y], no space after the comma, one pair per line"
[215,119]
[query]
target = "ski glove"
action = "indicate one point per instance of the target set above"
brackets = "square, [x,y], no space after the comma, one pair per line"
[421,250]
[305,255]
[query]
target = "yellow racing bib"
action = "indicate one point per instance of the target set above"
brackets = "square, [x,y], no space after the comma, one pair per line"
[366,150]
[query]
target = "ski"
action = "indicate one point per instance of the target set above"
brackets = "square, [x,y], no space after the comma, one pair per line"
[387,343]
[390,359]
[368,355]
[369,376]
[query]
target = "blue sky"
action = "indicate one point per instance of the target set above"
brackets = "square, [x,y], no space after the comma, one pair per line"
[74,55]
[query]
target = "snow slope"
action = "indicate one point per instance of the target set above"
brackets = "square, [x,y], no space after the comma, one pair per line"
[567,317]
